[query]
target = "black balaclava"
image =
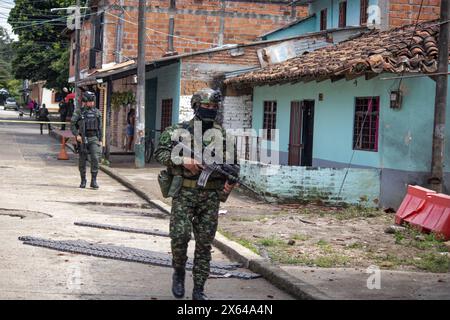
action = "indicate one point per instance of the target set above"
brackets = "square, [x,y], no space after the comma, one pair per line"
[207,116]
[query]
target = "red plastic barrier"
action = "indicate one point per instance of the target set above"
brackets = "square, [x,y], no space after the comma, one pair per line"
[413,203]
[434,216]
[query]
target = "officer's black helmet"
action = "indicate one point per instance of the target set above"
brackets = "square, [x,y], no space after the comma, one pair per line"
[88,96]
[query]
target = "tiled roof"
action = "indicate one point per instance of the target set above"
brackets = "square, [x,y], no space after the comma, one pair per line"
[403,49]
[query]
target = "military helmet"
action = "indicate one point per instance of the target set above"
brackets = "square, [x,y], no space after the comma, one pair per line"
[88,96]
[205,95]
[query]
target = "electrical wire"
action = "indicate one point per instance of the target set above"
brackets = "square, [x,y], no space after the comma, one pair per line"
[411,40]
[160,32]
[46,21]
[399,85]
[148,37]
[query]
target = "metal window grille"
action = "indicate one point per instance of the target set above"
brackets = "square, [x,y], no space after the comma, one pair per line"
[365,132]
[323,19]
[270,118]
[364,4]
[342,14]
[166,113]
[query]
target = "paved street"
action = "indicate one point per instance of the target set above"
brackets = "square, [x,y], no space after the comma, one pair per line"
[39,197]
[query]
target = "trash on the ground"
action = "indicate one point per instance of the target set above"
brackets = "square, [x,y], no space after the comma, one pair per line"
[419,238]
[223,212]
[393,229]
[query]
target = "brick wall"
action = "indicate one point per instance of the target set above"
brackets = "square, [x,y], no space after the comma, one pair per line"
[237,112]
[185,110]
[293,184]
[198,25]
[403,12]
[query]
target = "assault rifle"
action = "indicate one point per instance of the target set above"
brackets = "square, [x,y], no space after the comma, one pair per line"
[229,171]
[82,147]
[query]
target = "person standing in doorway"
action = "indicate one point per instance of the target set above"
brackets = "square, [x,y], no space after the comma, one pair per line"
[131,119]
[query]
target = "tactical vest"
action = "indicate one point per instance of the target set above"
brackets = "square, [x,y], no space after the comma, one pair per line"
[90,120]
[179,170]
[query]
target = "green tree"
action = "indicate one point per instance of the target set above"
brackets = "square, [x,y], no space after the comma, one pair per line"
[5,51]
[40,52]
[7,80]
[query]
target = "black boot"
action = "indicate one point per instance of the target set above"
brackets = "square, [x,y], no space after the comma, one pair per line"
[178,282]
[83,181]
[199,294]
[94,184]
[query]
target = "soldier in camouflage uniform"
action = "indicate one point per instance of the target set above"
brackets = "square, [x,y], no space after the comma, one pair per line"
[194,208]
[92,119]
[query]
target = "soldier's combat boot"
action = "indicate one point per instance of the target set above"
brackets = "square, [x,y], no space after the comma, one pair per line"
[199,294]
[94,184]
[83,181]
[178,282]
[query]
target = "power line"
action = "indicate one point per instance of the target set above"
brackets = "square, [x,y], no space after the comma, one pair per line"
[46,21]
[411,40]
[160,32]
[148,37]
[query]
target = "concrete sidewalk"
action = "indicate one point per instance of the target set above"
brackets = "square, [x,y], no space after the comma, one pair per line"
[301,282]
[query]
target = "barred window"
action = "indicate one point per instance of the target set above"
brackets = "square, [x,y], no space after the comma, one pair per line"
[364,5]
[270,118]
[365,130]
[342,14]
[166,113]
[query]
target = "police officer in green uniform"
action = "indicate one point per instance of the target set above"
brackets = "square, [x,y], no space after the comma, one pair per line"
[194,208]
[86,125]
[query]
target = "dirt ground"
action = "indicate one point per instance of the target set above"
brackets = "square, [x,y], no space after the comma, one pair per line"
[314,235]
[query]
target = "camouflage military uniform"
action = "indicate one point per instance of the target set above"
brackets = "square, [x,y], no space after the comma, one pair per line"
[94,139]
[193,209]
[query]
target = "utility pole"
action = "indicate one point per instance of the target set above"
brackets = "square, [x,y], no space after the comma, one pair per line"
[437,160]
[74,14]
[77,54]
[139,135]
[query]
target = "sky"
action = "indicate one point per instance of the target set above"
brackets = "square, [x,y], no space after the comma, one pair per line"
[5,7]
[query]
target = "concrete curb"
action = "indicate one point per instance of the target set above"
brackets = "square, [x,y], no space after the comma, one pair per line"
[274,274]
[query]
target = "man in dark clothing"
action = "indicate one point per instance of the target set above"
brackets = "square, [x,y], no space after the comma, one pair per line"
[63,110]
[43,116]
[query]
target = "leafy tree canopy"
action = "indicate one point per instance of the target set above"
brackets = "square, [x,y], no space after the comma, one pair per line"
[6,78]
[42,50]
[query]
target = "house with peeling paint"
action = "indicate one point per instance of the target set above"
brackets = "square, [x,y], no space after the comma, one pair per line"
[353,122]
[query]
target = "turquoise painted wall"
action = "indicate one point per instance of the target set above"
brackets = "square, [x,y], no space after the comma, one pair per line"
[308,25]
[288,183]
[168,87]
[353,12]
[405,135]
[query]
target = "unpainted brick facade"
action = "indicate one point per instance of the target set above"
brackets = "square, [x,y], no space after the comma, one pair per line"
[197,25]
[403,12]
